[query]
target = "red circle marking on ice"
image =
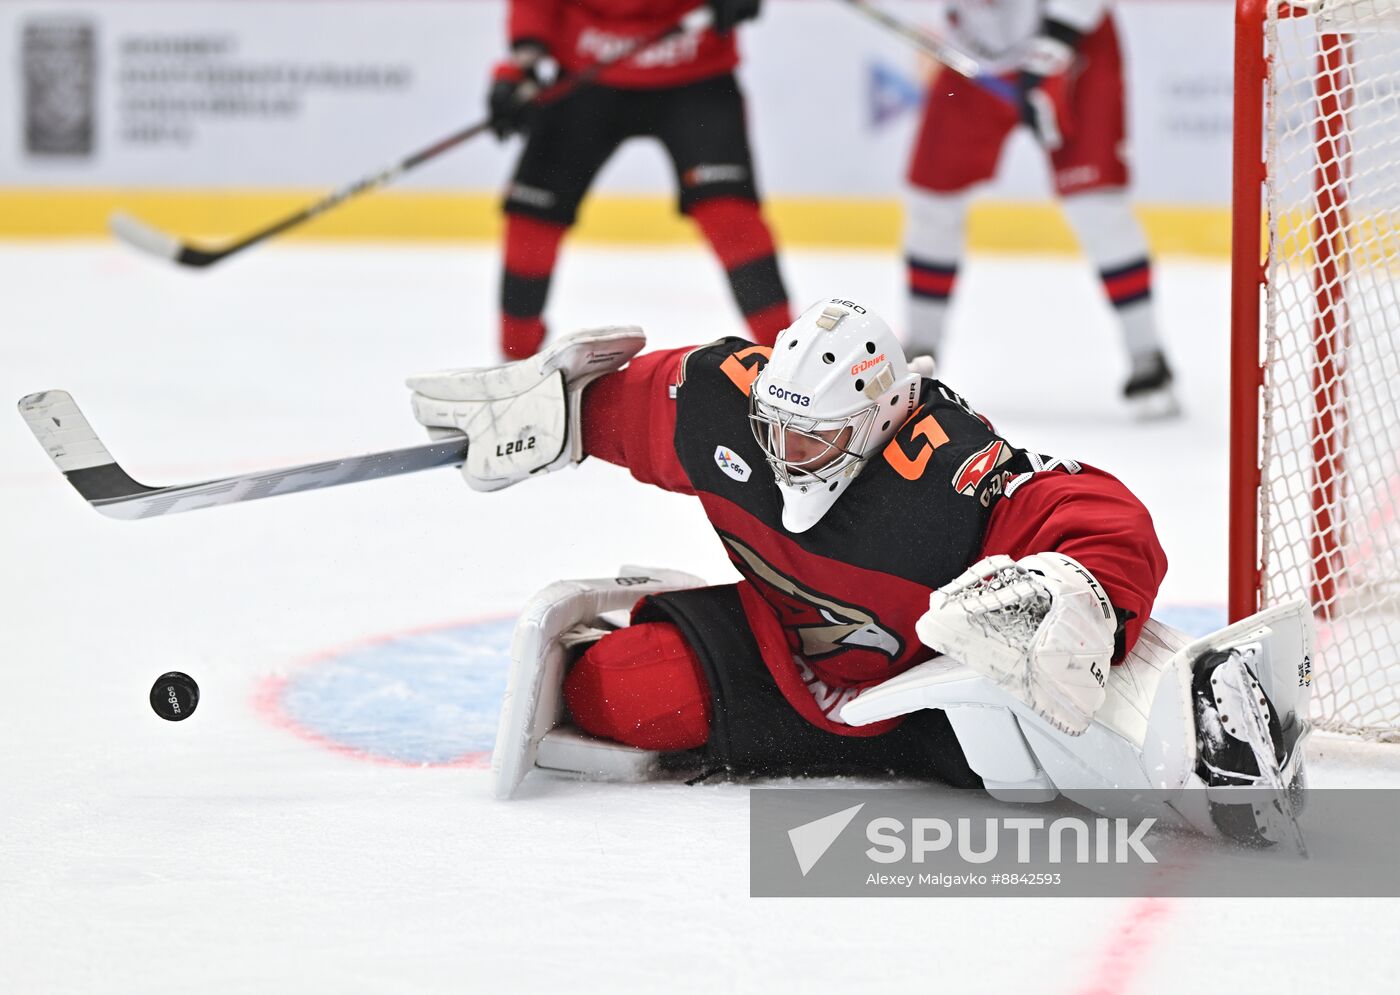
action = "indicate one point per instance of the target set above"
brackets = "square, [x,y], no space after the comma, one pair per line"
[267,699]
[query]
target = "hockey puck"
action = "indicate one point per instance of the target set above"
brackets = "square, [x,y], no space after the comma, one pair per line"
[174,696]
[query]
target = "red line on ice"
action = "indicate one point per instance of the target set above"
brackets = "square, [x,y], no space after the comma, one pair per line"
[1127,947]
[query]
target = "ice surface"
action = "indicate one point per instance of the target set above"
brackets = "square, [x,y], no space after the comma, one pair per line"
[323,823]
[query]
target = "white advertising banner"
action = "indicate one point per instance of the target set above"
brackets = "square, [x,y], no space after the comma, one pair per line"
[207,94]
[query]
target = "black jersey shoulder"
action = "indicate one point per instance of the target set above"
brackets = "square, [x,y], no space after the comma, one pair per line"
[920,507]
[714,440]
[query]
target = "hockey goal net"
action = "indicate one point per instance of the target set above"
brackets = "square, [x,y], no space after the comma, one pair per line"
[1315,381]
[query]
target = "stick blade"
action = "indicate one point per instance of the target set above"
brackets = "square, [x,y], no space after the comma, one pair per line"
[143,237]
[154,242]
[67,436]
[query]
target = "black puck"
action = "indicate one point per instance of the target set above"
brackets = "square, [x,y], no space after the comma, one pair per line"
[174,696]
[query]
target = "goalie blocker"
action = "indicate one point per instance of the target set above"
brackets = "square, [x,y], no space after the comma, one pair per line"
[521,418]
[1215,727]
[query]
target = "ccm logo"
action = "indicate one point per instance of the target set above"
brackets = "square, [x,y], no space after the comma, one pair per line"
[865,364]
[783,394]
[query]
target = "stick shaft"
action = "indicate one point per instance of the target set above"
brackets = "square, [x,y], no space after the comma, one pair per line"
[72,443]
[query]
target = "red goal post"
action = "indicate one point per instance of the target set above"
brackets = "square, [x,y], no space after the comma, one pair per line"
[1315,340]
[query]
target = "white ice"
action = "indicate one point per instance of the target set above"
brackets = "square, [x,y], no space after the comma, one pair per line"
[228,854]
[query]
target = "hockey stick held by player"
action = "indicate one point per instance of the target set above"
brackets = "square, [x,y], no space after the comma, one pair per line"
[918,594]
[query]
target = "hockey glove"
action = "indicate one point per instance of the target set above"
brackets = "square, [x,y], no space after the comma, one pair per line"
[525,417]
[1041,627]
[728,13]
[514,83]
[1043,82]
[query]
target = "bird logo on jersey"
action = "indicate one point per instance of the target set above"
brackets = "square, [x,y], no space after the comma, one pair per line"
[823,625]
[976,467]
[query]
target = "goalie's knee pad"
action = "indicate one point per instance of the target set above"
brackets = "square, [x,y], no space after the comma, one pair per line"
[642,686]
[523,417]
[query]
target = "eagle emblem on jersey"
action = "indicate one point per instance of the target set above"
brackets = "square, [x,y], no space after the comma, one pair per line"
[824,625]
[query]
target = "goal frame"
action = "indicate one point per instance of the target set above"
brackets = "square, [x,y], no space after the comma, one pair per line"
[1250,255]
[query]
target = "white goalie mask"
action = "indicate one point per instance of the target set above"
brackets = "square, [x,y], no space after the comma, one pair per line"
[835,391]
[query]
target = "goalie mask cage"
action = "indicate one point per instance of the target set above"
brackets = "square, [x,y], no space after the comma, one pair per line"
[1315,368]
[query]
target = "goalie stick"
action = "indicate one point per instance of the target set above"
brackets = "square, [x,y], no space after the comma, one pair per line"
[54,418]
[152,241]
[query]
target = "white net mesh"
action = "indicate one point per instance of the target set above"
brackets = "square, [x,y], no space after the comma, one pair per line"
[1330,439]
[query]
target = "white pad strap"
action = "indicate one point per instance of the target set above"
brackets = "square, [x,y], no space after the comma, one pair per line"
[522,417]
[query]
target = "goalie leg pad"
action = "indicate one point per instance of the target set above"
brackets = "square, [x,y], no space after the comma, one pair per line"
[1173,721]
[522,417]
[554,626]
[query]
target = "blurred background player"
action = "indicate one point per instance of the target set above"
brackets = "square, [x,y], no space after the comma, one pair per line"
[682,92]
[1067,66]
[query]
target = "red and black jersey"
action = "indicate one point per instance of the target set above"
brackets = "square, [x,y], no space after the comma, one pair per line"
[833,608]
[578,33]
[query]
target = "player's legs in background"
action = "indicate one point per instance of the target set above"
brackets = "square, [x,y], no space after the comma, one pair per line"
[568,143]
[1111,236]
[703,128]
[1091,175]
[959,142]
[934,234]
[531,248]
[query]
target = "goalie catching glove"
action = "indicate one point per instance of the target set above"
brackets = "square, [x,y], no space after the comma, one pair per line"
[523,417]
[1041,627]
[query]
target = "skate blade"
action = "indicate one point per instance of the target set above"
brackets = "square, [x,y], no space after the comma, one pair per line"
[1157,405]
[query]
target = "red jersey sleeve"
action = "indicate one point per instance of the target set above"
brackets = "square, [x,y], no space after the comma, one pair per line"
[629,418]
[533,21]
[1093,517]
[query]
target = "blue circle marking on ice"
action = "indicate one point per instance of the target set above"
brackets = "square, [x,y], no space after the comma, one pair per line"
[429,697]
